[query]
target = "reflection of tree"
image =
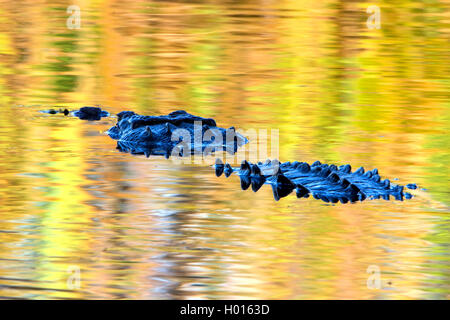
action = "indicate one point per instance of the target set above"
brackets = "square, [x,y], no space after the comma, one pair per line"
[438,268]
[181,250]
[437,172]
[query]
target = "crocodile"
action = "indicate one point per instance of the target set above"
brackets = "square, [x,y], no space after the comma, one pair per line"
[181,134]
[178,134]
[323,181]
[90,113]
[84,113]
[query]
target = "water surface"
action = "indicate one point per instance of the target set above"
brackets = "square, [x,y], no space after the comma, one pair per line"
[141,228]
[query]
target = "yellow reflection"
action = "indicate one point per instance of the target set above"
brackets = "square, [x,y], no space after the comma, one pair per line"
[147,228]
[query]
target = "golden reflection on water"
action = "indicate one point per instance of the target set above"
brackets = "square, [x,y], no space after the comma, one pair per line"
[148,228]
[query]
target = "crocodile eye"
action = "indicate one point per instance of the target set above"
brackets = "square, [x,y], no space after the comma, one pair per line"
[134,124]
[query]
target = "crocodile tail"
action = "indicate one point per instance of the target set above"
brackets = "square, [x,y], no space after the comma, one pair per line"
[301,191]
[257,182]
[228,170]
[281,186]
[219,166]
[245,181]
